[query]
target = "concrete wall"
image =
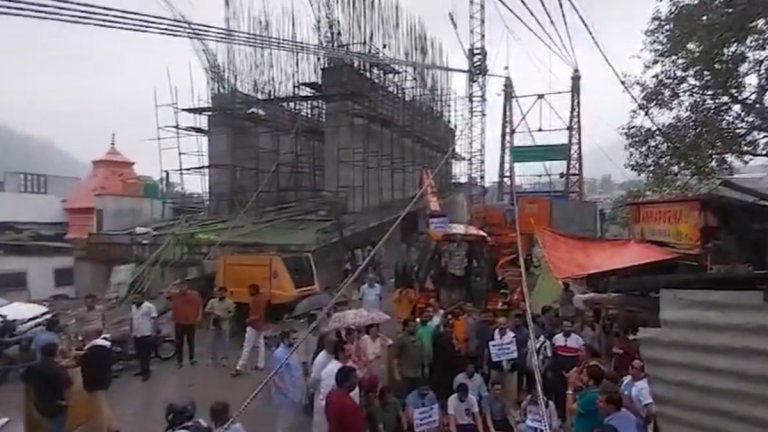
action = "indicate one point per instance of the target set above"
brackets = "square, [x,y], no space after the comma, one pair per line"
[376,143]
[368,150]
[40,279]
[93,277]
[122,212]
[31,208]
[59,186]
[708,363]
[574,217]
[243,148]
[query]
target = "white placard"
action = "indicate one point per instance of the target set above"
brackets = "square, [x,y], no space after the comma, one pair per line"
[426,418]
[502,350]
[438,223]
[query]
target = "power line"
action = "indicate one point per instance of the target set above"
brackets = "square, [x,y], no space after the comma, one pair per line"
[616,73]
[539,63]
[544,29]
[118,19]
[557,32]
[568,32]
[561,49]
[528,27]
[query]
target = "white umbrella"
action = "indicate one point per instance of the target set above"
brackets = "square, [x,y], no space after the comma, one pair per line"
[355,318]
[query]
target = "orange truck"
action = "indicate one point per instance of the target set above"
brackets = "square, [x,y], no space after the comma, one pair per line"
[283,278]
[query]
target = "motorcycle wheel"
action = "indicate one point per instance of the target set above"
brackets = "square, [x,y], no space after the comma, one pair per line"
[165,349]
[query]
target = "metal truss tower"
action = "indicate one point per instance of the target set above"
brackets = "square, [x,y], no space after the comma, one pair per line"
[476,92]
[506,166]
[574,174]
[568,183]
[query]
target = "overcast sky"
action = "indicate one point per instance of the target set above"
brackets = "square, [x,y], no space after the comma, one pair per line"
[77,85]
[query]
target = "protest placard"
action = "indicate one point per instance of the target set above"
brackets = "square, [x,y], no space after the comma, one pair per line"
[426,418]
[502,350]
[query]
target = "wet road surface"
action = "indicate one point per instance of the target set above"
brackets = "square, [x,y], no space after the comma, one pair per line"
[139,406]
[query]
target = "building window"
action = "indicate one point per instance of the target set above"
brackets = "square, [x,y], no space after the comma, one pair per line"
[13,281]
[63,277]
[33,183]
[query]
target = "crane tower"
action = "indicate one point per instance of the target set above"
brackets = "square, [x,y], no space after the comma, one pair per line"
[476,93]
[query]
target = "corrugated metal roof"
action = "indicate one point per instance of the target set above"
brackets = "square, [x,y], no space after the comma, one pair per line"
[708,363]
[22,207]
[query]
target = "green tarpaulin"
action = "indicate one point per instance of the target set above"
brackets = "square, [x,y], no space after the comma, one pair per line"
[547,290]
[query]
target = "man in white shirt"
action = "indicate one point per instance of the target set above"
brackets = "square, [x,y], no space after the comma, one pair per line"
[221,309]
[502,371]
[143,327]
[327,382]
[636,394]
[370,293]
[567,343]
[464,411]
[474,381]
[566,347]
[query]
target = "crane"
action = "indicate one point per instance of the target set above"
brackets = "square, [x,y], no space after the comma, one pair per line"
[477,81]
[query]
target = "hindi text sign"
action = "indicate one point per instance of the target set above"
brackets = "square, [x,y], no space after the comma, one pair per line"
[503,350]
[426,418]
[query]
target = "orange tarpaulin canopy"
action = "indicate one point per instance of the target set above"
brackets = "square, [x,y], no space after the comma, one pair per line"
[571,257]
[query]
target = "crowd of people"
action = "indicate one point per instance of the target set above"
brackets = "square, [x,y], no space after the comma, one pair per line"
[461,370]
[448,374]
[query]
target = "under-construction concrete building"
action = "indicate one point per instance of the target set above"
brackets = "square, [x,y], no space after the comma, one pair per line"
[354,139]
[306,154]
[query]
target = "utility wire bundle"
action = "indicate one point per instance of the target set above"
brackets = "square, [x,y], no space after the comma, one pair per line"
[80,13]
[562,50]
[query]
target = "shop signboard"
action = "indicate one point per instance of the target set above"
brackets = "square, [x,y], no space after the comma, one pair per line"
[676,224]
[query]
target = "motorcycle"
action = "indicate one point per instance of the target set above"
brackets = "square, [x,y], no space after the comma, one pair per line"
[123,352]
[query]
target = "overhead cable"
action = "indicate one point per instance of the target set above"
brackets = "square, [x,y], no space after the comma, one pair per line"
[544,30]
[616,73]
[118,19]
[570,53]
[528,27]
[537,62]
[568,32]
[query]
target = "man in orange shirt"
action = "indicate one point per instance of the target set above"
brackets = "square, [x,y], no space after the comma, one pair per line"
[186,312]
[254,330]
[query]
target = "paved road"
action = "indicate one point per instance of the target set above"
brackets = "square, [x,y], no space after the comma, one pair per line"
[139,406]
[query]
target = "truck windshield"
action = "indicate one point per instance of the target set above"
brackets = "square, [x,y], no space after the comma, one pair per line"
[301,270]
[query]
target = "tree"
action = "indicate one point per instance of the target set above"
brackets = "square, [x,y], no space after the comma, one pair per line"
[607,186]
[704,84]
[619,212]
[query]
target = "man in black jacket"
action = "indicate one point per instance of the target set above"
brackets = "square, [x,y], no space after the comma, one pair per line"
[51,384]
[96,370]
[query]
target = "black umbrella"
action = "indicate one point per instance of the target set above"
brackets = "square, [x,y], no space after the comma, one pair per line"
[313,303]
